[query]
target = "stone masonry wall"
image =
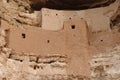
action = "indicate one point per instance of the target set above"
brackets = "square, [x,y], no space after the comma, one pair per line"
[24,67]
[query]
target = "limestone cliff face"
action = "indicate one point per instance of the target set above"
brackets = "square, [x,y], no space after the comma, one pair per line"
[103,25]
[106,66]
[115,19]
[17,12]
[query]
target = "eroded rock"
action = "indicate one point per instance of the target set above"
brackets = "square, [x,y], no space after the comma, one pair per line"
[106,66]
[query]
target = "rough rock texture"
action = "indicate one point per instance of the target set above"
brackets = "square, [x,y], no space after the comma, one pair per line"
[16,12]
[17,69]
[101,37]
[2,38]
[106,66]
[115,19]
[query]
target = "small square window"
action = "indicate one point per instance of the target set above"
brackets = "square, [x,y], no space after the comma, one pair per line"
[73,26]
[23,35]
[48,41]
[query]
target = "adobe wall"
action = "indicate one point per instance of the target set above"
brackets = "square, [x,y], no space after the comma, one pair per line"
[98,19]
[37,40]
[71,41]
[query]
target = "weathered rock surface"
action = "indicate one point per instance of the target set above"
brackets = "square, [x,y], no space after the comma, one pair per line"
[16,12]
[54,67]
[106,66]
[115,19]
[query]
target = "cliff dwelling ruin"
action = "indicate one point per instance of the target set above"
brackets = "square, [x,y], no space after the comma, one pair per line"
[59,39]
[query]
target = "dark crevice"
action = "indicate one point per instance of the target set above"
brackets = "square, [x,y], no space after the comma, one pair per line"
[35,67]
[115,20]
[69,4]
[10,55]
[52,61]
[4,78]
[18,21]
[8,1]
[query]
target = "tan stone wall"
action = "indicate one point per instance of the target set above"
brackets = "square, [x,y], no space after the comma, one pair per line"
[71,41]
[98,19]
[35,40]
[26,67]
